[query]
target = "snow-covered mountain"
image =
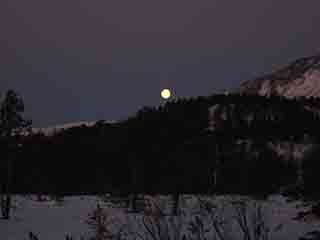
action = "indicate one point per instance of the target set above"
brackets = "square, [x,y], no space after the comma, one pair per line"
[54,129]
[300,78]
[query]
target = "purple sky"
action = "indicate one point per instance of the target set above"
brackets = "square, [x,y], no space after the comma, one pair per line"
[75,60]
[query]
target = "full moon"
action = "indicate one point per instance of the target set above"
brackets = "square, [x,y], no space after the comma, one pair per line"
[165,93]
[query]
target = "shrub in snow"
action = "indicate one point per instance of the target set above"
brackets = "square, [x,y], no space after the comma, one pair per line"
[245,219]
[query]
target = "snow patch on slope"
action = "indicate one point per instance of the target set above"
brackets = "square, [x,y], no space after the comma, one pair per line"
[52,130]
[299,79]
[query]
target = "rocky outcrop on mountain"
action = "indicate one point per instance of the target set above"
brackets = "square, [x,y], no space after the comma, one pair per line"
[300,78]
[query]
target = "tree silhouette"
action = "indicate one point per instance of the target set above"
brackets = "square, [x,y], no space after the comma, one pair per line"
[12,124]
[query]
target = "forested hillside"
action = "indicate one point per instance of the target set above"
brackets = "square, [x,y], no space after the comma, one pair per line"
[172,149]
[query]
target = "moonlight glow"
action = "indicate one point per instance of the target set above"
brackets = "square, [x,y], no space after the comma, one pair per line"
[165,93]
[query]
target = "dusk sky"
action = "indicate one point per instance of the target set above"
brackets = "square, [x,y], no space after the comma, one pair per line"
[84,60]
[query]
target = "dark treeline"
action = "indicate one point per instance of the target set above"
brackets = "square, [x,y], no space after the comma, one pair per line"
[169,149]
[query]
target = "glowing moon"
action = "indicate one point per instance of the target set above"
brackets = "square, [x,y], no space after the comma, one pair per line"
[165,93]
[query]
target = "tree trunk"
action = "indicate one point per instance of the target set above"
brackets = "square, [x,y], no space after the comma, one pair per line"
[134,197]
[7,195]
[134,192]
[216,167]
[176,197]
[3,199]
[7,207]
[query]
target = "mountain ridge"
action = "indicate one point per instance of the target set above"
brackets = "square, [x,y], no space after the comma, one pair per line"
[300,78]
[60,127]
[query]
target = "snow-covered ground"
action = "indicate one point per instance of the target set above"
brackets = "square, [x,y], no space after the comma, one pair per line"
[50,220]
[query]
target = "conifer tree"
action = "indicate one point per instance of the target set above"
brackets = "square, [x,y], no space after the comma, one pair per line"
[12,124]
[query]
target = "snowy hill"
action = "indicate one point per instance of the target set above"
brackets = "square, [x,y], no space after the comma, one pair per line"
[51,130]
[300,78]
